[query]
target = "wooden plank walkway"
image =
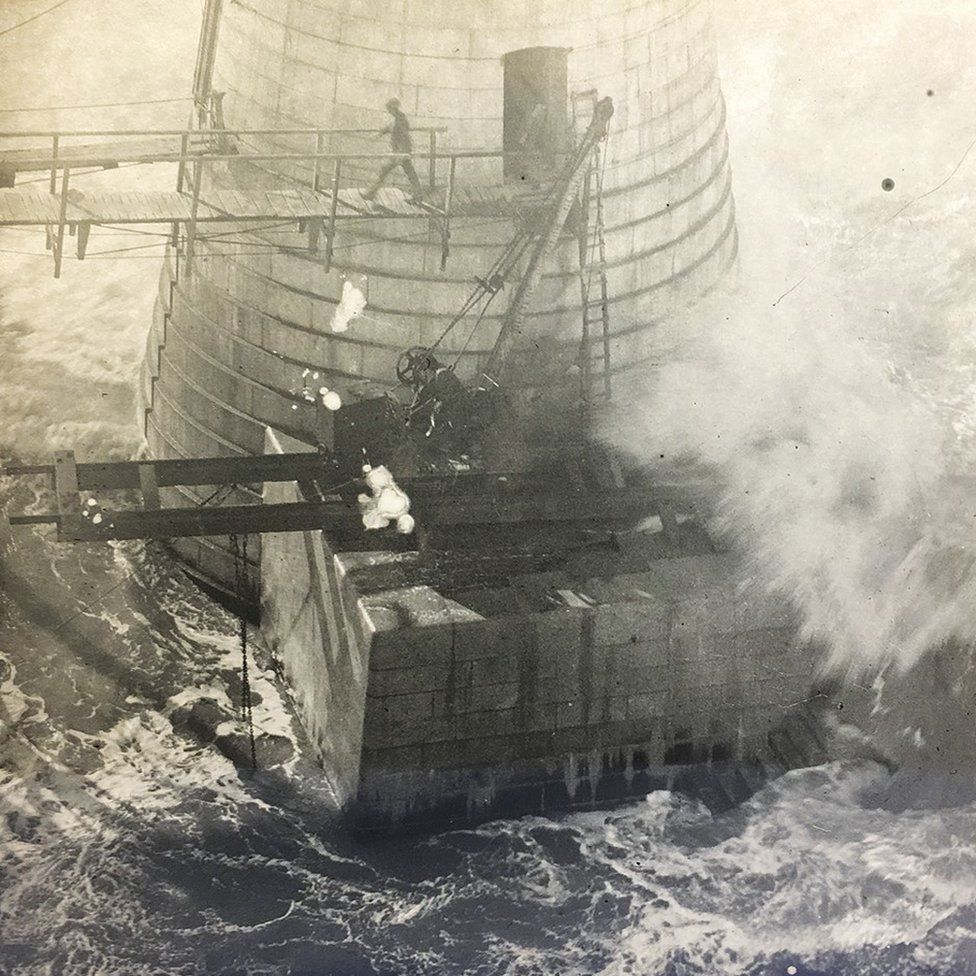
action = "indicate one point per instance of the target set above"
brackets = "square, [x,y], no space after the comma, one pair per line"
[23,207]
[103,153]
[32,207]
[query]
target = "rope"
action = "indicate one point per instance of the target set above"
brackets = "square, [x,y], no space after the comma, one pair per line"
[114,256]
[132,572]
[222,490]
[472,300]
[63,108]
[474,329]
[75,173]
[500,269]
[243,588]
[36,16]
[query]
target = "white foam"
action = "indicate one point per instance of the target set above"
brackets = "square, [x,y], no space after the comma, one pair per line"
[351,306]
[809,871]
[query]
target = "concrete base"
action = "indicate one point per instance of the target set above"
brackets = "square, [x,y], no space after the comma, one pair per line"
[427,713]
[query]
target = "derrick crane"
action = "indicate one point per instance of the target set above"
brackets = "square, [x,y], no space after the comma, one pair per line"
[324,475]
[437,391]
[565,193]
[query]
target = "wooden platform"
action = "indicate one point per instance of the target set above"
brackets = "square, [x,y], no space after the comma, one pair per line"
[104,153]
[23,207]
[465,501]
[317,208]
[39,208]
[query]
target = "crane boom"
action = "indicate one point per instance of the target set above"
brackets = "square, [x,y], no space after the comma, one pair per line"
[567,188]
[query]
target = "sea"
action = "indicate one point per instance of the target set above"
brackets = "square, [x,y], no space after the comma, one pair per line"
[134,837]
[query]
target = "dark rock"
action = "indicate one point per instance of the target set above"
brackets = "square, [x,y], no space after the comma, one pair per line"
[270,750]
[200,721]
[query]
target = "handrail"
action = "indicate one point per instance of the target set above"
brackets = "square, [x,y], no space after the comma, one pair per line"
[203,132]
[61,162]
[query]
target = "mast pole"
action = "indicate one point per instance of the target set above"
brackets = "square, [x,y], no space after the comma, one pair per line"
[206,57]
[567,188]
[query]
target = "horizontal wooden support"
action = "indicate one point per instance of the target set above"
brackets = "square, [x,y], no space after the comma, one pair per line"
[16,470]
[310,466]
[173,523]
[47,518]
[539,506]
[34,208]
[461,500]
[527,489]
[343,515]
[190,471]
[66,483]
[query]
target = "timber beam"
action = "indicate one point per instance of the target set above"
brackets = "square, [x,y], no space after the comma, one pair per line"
[243,470]
[478,500]
[223,520]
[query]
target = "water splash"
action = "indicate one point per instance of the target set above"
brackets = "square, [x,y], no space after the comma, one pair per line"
[840,445]
[351,306]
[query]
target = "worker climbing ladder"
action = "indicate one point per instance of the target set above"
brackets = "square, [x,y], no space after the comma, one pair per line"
[594,290]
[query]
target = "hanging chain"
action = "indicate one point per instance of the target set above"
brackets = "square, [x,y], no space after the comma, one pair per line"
[242,581]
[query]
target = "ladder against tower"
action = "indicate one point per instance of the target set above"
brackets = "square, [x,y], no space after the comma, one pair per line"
[594,288]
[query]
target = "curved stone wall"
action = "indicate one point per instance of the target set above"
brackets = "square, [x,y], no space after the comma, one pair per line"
[227,349]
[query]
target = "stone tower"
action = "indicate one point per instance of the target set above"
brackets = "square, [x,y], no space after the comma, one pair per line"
[229,344]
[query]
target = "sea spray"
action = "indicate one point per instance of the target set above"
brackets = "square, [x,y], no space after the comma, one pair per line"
[75,340]
[351,306]
[832,473]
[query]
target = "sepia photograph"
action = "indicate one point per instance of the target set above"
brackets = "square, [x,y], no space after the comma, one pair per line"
[487,488]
